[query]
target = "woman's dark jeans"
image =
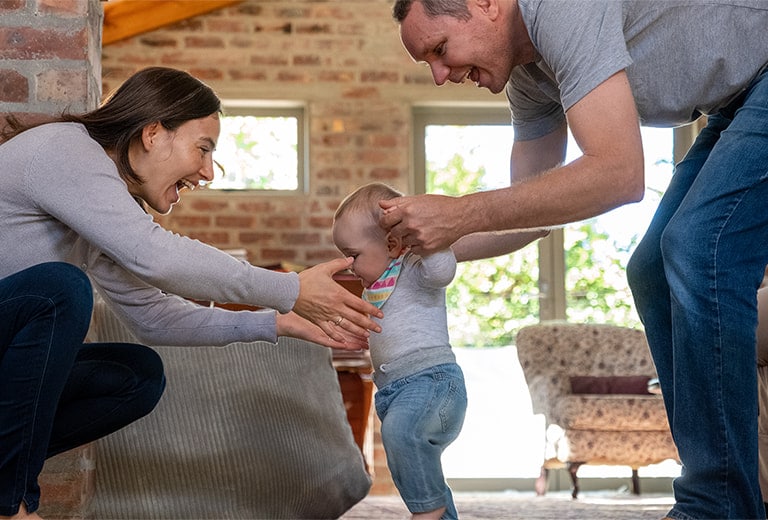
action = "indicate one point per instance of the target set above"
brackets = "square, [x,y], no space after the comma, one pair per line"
[56,392]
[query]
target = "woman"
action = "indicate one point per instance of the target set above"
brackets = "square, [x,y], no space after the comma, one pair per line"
[72,193]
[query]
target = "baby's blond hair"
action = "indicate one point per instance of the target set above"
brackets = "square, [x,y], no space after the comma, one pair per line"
[365,201]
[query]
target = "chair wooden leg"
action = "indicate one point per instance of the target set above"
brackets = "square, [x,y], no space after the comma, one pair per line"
[541,482]
[573,467]
[635,482]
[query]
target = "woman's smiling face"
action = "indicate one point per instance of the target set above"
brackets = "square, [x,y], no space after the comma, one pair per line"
[171,160]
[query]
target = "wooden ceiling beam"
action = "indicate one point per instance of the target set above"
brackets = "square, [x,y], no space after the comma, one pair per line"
[127,18]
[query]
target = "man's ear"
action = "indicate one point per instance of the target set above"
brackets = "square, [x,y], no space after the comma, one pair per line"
[394,245]
[489,8]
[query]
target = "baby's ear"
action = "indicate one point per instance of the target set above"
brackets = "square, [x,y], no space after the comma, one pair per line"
[394,245]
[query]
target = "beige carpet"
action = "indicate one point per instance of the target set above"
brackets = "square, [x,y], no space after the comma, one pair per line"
[517,505]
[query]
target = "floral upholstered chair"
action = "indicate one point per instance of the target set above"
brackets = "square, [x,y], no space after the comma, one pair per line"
[591,384]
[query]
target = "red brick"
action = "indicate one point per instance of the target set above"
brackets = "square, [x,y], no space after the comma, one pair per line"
[290,76]
[190,24]
[191,221]
[27,43]
[385,173]
[256,206]
[333,173]
[227,26]
[269,60]
[312,60]
[207,42]
[159,41]
[7,6]
[337,76]
[312,28]
[230,221]
[62,85]
[361,93]
[379,77]
[277,255]
[320,222]
[299,239]
[255,237]
[68,8]
[282,222]
[14,87]
[208,203]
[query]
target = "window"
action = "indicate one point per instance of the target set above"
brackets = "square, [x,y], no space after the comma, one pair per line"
[261,148]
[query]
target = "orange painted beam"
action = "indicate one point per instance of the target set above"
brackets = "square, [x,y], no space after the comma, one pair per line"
[127,18]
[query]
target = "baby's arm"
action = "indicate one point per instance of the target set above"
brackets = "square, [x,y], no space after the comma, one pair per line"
[494,243]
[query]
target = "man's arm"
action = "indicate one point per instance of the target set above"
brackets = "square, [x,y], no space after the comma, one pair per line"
[477,246]
[607,175]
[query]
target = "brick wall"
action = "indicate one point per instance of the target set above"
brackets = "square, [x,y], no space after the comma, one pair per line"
[49,57]
[344,60]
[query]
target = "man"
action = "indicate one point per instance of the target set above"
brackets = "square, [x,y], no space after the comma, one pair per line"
[600,69]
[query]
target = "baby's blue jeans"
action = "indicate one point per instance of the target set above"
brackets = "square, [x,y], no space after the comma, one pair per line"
[421,415]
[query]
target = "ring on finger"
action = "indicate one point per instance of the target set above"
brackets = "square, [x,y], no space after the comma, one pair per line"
[338,322]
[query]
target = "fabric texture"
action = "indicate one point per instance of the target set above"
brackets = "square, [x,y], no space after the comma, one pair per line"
[629,430]
[252,430]
[378,293]
[415,320]
[677,71]
[637,385]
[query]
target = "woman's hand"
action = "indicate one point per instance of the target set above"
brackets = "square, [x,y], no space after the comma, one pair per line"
[330,306]
[295,326]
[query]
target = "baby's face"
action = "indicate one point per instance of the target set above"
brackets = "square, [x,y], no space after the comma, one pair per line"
[356,237]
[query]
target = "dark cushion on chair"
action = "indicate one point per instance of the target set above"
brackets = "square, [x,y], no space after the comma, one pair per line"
[630,385]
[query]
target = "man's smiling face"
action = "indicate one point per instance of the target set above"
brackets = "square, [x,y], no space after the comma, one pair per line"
[477,49]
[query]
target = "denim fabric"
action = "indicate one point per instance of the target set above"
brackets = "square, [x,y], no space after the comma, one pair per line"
[694,277]
[421,415]
[56,392]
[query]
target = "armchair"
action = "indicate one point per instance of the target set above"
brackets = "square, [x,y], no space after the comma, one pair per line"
[591,383]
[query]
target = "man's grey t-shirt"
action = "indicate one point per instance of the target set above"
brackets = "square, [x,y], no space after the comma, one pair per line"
[683,58]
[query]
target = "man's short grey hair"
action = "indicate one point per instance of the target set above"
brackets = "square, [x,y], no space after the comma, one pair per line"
[456,8]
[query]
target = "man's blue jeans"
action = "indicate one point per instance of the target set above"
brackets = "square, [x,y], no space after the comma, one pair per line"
[694,277]
[57,392]
[421,415]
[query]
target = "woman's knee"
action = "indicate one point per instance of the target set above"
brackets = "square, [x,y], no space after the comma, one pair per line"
[149,369]
[69,283]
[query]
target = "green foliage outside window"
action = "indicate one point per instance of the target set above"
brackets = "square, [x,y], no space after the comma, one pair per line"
[489,300]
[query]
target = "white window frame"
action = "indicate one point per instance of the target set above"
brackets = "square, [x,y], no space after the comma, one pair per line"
[258,108]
